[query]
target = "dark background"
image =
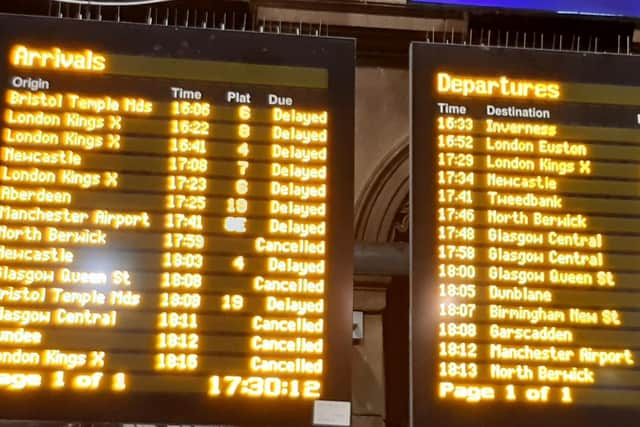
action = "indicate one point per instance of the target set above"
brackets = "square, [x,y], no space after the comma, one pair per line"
[548,66]
[335,55]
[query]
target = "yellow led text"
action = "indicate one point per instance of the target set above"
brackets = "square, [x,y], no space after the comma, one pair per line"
[503,86]
[56,58]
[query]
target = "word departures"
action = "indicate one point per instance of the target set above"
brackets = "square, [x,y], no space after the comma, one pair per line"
[162,232]
[526,252]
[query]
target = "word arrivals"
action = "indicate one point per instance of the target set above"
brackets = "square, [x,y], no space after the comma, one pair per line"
[58,59]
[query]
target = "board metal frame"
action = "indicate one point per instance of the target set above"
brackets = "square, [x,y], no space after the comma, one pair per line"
[335,55]
[425,61]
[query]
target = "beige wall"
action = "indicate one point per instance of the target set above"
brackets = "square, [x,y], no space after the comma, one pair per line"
[382,125]
[382,118]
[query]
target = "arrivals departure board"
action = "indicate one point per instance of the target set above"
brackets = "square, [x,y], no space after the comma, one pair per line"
[175,223]
[526,237]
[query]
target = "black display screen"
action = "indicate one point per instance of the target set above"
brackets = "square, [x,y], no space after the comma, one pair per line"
[175,228]
[525,237]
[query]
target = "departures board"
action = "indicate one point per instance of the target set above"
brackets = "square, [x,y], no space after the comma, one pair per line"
[175,223]
[525,192]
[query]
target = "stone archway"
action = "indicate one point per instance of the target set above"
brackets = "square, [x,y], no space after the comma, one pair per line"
[381,214]
[380,372]
[382,208]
